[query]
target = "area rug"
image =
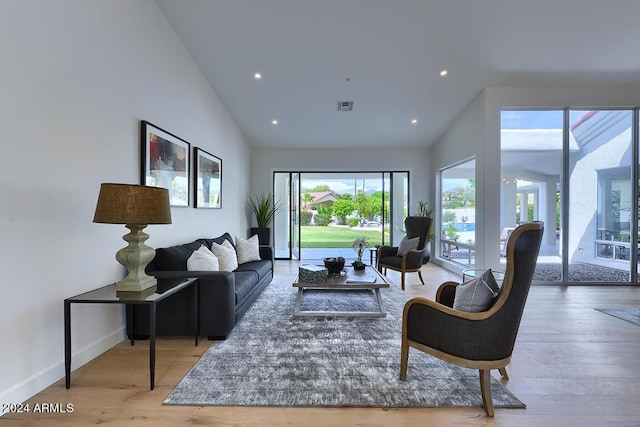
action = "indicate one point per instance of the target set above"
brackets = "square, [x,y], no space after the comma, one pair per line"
[629,314]
[272,359]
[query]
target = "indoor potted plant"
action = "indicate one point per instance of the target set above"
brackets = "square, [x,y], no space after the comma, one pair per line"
[359,245]
[264,209]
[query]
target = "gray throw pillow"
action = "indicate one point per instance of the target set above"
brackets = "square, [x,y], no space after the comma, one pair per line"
[406,244]
[478,294]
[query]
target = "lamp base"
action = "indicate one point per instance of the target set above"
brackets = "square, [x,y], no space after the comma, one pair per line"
[139,295]
[135,258]
[136,285]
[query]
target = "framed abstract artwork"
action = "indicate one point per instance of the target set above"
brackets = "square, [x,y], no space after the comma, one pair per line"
[165,163]
[208,180]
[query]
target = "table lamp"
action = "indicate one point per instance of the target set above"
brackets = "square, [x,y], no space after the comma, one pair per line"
[135,206]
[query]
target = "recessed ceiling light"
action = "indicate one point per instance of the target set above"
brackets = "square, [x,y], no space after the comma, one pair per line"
[257,76]
[274,122]
[414,121]
[443,73]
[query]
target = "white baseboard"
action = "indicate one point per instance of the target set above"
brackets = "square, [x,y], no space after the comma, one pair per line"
[45,377]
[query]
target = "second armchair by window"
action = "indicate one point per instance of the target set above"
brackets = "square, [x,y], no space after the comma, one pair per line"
[408,257]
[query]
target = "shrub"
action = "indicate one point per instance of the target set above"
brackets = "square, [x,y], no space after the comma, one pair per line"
[451,232]
[352,222]
[448,216]
[325,210]
[322,220]
[305,217]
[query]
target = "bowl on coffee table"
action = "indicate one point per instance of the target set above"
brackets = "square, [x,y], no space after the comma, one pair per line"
[334,265]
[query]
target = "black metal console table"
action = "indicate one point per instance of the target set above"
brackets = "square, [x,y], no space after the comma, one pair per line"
[150,297]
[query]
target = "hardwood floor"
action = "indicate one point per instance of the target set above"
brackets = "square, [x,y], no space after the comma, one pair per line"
[572,366]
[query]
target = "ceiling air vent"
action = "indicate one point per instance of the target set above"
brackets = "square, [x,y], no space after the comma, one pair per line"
[345,105]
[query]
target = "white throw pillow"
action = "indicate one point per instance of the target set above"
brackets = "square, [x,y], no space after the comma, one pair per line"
[203,260]
[226,255]
[478,294]
[248,250]
[407,244]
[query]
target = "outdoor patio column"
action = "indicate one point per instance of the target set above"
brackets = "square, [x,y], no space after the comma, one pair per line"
[509,198]
[524,202]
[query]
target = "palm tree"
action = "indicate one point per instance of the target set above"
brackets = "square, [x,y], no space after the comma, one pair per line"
[307,198]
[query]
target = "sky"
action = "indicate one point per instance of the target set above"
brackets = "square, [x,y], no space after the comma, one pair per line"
[448,184]
[532,119]
[341,186]
[537,119]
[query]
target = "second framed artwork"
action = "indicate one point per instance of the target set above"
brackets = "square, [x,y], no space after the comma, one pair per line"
[208,180]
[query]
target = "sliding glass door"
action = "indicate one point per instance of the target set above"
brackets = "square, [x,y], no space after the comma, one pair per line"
[531,185]
[326,211]
[572,169]
[398,183]
[294,220]
[283,239]
[600,247]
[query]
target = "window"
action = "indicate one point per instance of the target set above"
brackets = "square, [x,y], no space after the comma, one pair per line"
[458,213]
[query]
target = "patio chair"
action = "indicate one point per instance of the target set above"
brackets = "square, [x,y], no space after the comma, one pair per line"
[406,261]
[480,340]
[447,245]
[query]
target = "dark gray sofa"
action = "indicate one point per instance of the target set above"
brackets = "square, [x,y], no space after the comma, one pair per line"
[224,297]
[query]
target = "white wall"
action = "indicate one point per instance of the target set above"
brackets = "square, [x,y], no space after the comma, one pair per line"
[76,79]
[416,161]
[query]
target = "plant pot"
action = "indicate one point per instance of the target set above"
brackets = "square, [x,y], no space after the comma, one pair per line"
[264,235]
[358,265]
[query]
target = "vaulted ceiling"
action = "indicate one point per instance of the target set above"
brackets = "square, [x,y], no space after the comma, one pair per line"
[387,56]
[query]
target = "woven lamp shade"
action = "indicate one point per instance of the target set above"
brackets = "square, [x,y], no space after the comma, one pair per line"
[132,204]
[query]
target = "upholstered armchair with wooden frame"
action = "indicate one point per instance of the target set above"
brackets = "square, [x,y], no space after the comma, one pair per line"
[482,340]
[411,260]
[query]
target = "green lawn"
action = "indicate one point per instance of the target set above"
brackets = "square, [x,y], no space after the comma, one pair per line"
[335,237]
